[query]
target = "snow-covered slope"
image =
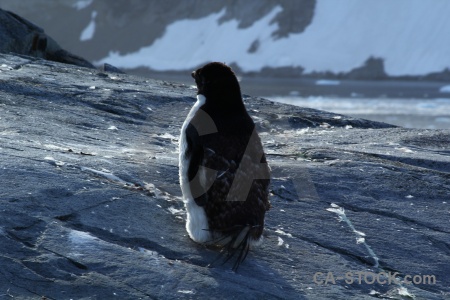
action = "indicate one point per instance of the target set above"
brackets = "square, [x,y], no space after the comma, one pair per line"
[410,35]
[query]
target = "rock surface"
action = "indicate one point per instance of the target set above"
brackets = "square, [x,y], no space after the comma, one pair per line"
[91,208]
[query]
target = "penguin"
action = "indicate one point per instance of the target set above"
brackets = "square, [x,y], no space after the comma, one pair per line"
[224,174]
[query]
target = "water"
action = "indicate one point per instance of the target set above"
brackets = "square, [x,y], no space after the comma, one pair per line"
[410,104]
[409,113]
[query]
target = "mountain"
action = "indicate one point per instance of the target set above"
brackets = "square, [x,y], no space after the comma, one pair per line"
[373,39]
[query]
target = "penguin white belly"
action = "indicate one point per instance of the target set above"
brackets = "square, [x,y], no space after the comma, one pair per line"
[197,222]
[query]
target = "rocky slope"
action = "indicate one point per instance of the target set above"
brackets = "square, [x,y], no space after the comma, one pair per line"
[91,208]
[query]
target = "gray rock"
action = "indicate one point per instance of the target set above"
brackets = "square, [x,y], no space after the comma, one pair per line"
[91,205]
[23,37]
[373,69]
[111,69]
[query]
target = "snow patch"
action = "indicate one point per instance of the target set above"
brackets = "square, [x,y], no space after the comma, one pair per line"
[280,241]
[279,231]
[175,211]
[404,149]
[165,136]
[445,89]
[82,4]
[88,32]
[402,291]
[187,292]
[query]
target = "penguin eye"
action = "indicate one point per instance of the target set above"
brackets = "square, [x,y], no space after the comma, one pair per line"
[199,77]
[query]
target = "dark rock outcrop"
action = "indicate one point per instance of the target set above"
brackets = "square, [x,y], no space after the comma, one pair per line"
[91,208]
[373,69]
[20,36]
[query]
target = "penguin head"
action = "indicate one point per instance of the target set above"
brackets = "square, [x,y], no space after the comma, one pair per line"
[217,82]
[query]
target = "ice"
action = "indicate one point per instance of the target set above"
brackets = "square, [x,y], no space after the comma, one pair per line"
[328,82]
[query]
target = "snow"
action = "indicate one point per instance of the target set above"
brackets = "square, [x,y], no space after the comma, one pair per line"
[200,40]
[175,211]
[187,292]
[408,34]
[445,89]
[82,4]
[280,241]
[279,231]
[88,32]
